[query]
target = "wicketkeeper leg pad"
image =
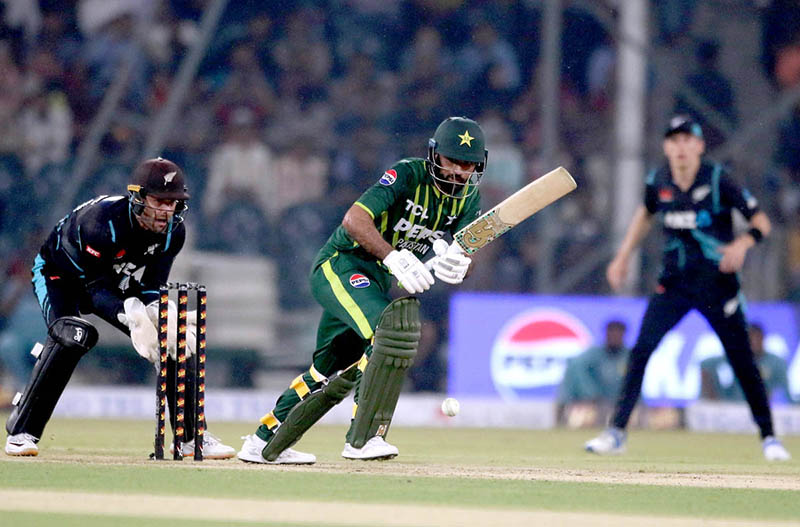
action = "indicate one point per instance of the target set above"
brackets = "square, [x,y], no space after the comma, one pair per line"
[69,338]
[393,350]
[309,411]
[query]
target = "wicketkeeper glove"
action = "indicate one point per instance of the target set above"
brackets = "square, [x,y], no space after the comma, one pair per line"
[144,335]
[409,271]
[450,263]
[191,327]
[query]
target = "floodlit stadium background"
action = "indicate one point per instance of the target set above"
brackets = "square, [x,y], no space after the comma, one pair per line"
[281,113]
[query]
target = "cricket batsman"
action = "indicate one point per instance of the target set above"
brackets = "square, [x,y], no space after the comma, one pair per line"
[366,340]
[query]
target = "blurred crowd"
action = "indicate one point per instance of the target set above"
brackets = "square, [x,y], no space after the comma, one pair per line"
[297,107]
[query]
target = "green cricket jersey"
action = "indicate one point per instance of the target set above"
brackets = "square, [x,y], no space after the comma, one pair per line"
[409,212]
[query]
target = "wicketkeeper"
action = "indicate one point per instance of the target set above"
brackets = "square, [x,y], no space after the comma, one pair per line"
[365,339]
[107,257]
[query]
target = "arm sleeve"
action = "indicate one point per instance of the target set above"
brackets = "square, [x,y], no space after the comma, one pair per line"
[737,197]
[96,260]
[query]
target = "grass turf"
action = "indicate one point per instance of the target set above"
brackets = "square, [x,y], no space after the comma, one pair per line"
[107,457]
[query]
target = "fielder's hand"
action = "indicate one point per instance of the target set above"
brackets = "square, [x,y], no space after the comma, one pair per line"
[143,332]
[407,268]
[172,321]
[450,263]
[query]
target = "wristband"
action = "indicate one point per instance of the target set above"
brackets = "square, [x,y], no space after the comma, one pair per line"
[756,234]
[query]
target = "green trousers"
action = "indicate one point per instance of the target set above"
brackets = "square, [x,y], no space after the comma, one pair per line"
[353,293]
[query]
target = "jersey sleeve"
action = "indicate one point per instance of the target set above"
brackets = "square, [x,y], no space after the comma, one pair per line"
[389,189]
[97,260]
[96,250]
[737,197]
[651,193]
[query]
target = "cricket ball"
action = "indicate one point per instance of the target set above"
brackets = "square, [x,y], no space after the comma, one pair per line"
[450,406]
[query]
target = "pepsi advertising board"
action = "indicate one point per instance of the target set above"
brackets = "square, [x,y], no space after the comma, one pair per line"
[517,346]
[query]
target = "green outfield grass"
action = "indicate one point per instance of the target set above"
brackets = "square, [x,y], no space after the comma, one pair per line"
[466,468]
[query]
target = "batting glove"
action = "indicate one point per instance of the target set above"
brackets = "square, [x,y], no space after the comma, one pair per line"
[144,335]
[407,268]
[172,328]
[450,263]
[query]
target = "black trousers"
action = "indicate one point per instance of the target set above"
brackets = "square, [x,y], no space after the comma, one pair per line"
[718,300]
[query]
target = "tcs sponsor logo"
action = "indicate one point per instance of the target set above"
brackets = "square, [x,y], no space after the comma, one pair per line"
[530,353]
[388,177]
[359,281]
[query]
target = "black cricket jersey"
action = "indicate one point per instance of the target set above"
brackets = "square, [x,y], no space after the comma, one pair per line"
[102,247]
[696,222]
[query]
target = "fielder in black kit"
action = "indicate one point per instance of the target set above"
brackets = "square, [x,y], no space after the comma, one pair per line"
[107,257]
[695,199]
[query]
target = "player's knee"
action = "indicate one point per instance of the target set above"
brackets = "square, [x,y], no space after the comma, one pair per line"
[74,333]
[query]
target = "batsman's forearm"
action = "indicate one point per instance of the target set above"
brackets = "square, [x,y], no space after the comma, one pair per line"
[359,225]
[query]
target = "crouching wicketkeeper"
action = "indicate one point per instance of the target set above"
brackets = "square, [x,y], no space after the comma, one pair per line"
[107,257]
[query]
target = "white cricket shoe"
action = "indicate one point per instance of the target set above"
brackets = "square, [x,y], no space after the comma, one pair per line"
[22,445]
[375,448]
[254,445]
[610,442]
[213,448]
[774,450]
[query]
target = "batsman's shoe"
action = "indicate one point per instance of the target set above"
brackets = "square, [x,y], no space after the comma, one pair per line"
[254,445]
[22,445]
[610,442]
[774,450]
[213,448]
[375,448]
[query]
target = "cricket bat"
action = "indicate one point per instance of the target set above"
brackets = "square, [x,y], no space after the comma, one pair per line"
[519,206]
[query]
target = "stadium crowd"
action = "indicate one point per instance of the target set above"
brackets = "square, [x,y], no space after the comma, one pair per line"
[297,106]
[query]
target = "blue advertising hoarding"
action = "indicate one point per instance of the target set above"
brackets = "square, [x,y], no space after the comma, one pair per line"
[516,346]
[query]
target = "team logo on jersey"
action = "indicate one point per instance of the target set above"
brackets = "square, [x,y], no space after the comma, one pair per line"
[681,219]
[388,177]
[359,281]
[93,252]
[700,193]
[665,194]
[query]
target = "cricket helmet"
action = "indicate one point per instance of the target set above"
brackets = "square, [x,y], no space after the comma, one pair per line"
[458,139]
[161,179]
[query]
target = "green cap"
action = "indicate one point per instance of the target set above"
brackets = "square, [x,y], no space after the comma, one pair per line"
[460,139]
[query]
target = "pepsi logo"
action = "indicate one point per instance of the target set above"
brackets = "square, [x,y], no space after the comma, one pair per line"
[359,281]
[530,353]
[388,177]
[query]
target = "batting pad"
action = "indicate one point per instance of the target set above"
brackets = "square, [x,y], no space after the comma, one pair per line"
[393,351]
